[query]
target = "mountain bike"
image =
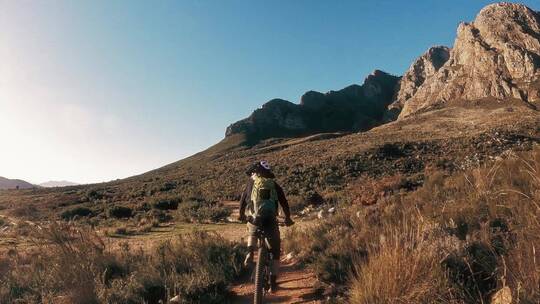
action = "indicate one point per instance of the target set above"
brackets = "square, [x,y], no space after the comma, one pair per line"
[264,260]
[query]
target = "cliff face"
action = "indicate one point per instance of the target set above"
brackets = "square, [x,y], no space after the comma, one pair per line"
[422,68]
[354,108]
[496,57]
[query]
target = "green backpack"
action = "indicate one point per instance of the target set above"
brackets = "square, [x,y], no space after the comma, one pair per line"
[264,197]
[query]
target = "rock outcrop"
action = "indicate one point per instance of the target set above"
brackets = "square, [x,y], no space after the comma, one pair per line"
[354,108]
[422,68]
[494,58]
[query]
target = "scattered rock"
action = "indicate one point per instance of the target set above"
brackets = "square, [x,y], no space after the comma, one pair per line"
[502,296]
[289,257]
[320,214]
[332,210]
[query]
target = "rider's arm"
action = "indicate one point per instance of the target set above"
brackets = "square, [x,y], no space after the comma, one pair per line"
[283,201]
[246,196]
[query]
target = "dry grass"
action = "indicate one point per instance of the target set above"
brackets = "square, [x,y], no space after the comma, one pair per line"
[457,239]
[73,265]
[403,267]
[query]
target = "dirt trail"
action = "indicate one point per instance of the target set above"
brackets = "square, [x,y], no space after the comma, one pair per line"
[296,284]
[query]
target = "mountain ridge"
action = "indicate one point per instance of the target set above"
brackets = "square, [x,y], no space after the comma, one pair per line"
[6,183]
[495,57]
[62,183]
[353,108]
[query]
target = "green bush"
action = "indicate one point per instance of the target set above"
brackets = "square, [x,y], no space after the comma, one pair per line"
[167,186]
[120,212]
[77,211]
[168,203]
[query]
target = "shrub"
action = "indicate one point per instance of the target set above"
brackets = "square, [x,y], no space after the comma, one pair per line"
[161,216]
[79,267]
[122,230]
[26,211]
[167,186]
[169,203]
[402,268]
[119,212]
[76,212]
[456,239]
[202,212]
[94,194]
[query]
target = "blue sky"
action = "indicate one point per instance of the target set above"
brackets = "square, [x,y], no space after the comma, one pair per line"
[96,90]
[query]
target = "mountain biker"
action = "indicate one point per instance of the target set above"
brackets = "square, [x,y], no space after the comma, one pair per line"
[261,172]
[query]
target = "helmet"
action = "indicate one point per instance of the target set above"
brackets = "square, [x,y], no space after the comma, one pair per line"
[259,167]
[265,164]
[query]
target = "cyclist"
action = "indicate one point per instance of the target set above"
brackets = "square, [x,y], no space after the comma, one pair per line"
[261,179]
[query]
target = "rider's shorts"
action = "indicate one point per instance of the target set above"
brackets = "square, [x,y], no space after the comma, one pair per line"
[274,238]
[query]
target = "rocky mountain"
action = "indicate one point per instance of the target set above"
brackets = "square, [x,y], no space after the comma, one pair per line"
[495,58]
[50,184]
[6,183]
[463,106]
[354,108]
[422,68]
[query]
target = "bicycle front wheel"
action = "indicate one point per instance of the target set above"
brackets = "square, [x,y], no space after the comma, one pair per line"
[260,275]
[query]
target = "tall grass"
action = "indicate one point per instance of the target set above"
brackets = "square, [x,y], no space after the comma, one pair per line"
[457,239]
[404,267]
[73,265]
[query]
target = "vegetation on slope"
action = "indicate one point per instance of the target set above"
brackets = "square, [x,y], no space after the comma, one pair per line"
[450,139]
[457,239]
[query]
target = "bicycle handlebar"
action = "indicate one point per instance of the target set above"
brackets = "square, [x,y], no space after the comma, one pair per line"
[250,219]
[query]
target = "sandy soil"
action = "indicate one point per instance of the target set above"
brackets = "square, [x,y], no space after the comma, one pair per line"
[296,286]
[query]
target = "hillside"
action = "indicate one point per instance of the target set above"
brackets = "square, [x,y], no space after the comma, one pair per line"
[421,188]
[452,135]
[450,138]
[6,183]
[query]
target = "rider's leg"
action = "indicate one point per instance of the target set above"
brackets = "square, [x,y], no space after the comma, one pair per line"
[251,243]
[274,272]
[276,253]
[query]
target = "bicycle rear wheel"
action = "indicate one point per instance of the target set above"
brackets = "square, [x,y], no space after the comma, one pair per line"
[260,275]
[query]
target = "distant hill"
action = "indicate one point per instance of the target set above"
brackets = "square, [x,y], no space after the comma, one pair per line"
[51,184]
[6,183]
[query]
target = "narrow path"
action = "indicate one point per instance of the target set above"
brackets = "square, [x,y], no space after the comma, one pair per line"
[296,286]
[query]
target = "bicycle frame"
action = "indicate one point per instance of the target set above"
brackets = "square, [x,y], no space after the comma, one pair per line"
[262,269]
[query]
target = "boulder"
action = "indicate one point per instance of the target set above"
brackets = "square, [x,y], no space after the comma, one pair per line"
[502,296]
